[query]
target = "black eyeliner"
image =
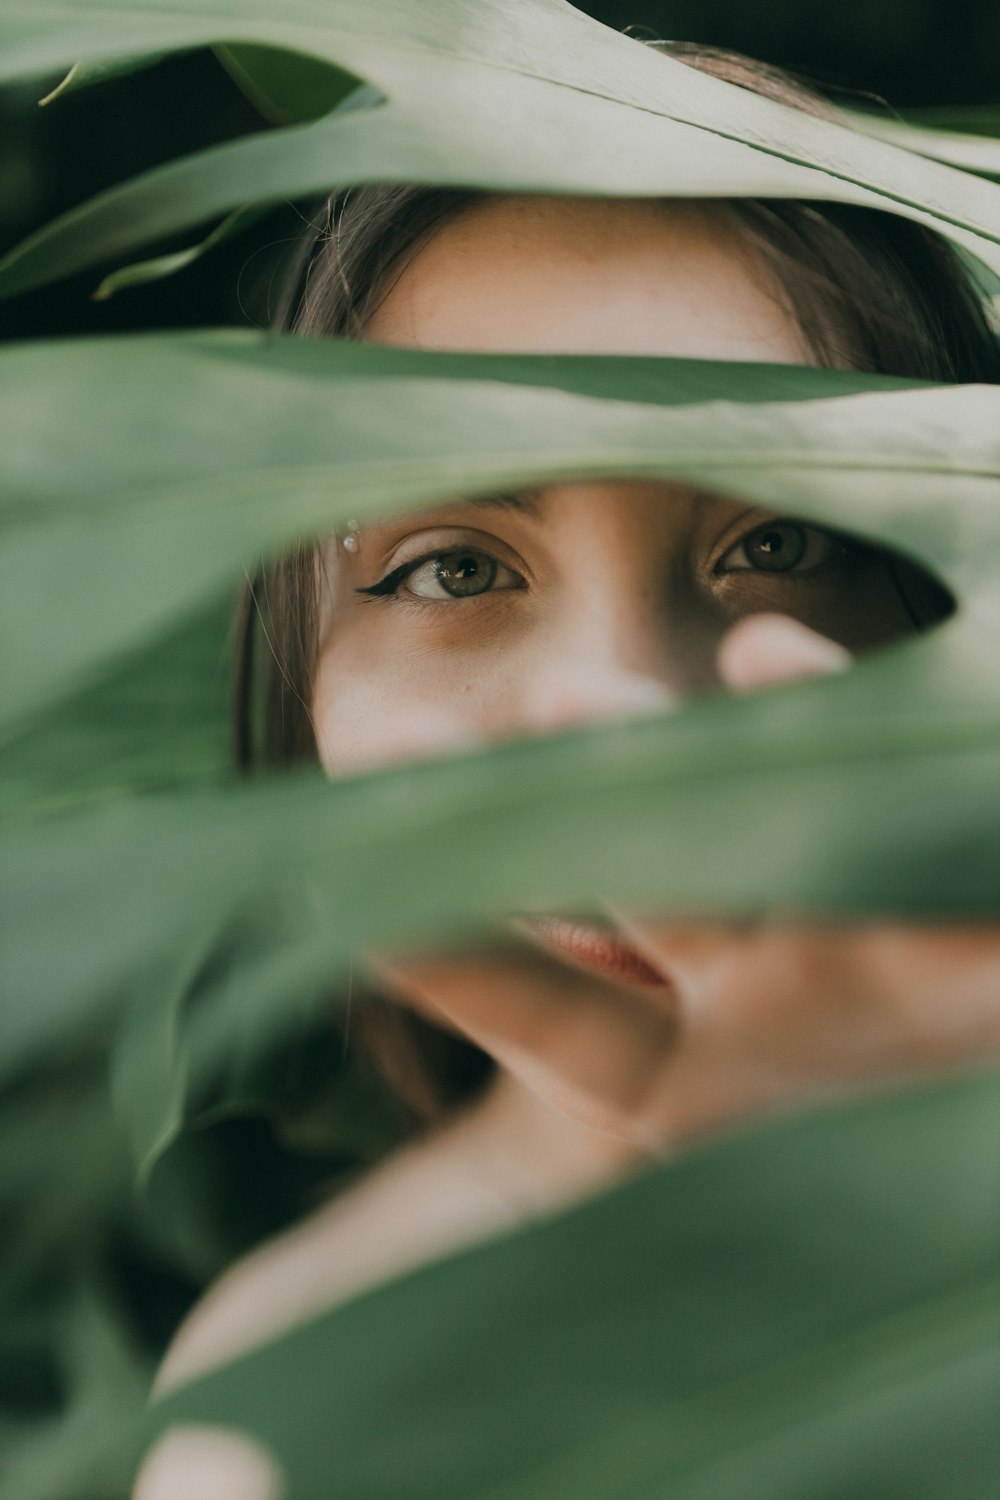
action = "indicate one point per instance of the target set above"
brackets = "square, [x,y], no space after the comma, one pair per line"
[390,583]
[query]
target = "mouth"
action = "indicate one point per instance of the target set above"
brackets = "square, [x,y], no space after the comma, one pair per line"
[598,948]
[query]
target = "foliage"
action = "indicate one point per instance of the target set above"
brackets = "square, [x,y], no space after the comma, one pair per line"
[184,932]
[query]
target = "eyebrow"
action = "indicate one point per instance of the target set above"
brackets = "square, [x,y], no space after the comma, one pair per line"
[526,501]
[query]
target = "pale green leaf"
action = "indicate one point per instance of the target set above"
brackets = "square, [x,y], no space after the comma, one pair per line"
[238,422]
[544,99]
[973,153]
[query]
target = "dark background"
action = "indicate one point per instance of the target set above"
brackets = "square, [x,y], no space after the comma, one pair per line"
[912,53]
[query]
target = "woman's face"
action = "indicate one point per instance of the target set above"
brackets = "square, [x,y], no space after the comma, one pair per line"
[523,613]
[511,614]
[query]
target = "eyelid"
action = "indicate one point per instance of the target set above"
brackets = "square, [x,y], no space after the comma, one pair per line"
[839,544]
[430,542]
[497,584]
[393,578]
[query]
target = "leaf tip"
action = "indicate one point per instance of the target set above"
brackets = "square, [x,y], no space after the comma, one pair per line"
[60,87]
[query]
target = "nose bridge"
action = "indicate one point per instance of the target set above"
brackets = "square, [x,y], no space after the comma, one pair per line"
[608,657]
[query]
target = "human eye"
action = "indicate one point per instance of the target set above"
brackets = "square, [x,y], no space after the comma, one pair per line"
[455,573]
[782,546]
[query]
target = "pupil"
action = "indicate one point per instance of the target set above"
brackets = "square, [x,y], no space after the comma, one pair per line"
[777,549]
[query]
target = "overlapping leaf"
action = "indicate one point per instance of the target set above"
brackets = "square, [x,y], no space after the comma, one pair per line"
[253,442]
[536,97]
[174,441]
[787,1315]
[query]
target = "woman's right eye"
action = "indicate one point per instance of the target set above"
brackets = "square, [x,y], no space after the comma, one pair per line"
[462,573]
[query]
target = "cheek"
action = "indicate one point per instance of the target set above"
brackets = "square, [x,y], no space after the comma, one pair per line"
[396,711]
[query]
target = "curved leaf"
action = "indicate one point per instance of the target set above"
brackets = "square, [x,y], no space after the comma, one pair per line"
[973,153]
[86,75]
[286,87]
[469,102]
[165,265]
[239,422]
[889,771]
[784,1315]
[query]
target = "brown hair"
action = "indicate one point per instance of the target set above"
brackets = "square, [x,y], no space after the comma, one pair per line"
[871,291]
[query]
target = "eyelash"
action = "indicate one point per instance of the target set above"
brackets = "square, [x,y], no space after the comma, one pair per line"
[830,544]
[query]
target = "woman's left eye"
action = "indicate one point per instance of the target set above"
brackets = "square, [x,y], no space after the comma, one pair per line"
[457,575]
[461,573]
[781,547]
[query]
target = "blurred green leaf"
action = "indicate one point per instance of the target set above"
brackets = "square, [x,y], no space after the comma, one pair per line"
[878,804]
[239,422]
[86,75]
[286,87]
[896,756]
[81,1452]
[784,1317]
[165,265]
[977,119]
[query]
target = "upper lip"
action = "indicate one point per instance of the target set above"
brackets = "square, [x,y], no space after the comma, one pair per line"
[594,945]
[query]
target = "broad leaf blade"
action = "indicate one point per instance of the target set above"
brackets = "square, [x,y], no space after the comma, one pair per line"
[745,1319]
[152,525]
[469,102]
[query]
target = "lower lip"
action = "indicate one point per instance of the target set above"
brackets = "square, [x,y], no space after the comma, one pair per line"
[599,949]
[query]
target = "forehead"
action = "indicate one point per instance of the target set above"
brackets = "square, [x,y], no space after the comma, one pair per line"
[535,274]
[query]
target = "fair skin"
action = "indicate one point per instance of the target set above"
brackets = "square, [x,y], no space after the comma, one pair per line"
[523,615]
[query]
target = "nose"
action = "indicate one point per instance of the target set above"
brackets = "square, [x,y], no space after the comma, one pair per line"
[595,677]
[594,697]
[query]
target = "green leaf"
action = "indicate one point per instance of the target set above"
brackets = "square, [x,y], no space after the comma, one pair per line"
[81,1452]
[286,87]
[886,775]
[158,721]
[50,1204]
[973,153]
[899,755]
[547,100]
[787,1314]
[970,119]
[239,422]
[86,75]
[166,265]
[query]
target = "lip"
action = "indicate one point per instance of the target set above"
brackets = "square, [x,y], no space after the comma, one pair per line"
[600,949]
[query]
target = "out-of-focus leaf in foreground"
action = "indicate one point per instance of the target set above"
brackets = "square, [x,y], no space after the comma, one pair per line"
[782,1317]
[176,439]
[877,780]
